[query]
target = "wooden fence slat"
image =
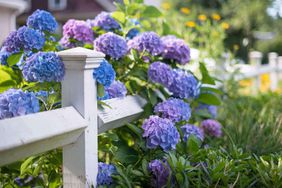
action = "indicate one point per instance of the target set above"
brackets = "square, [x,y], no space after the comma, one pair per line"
[24,136]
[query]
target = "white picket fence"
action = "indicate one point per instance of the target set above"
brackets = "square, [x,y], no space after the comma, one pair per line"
[255,69]
[74,127]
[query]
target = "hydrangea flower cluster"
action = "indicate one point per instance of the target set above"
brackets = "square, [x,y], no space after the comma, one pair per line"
[175,49]
[104,173]
[184,85]
[44,66]
[24,38]
[161,73]
[211,109]
[15,102]
[105,21]
[134,31]
[77,30]
[42,20]
[189,130]
[111,44]
[116,90]
[147,41]
[174,109]
[160,170]
[104,74]
[211,127]
[160,132]
[3,57]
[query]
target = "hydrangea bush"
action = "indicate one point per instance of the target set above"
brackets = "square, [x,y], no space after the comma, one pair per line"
[147,62]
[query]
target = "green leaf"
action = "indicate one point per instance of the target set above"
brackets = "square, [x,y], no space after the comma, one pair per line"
[209,98]
[119,16]
[206,78]
[126,2]
[14,58]
[205,89]
[193,144]
[152,96]
[25,165]
[151,11]
[125,154]
[100,90]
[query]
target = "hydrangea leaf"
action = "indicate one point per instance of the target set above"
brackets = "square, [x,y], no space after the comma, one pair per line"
[152,12]
[100,90]
[209,98]
[119,16]
[206,78]
[14,58]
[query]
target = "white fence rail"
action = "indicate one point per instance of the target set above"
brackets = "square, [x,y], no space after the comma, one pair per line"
[74,127]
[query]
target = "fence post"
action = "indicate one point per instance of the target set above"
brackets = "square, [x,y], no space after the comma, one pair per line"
[80,160]
[279,63]
[273,63]
[255,58]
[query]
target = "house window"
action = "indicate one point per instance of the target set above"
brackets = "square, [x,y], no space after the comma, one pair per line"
[57,4]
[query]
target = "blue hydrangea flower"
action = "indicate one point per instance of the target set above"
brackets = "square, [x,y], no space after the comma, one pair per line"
[105,21]
[104,173]
[147,41]
[116,90]
[44,67]
[104,74]
[211,109]
[30,39]
[42,20]
[111,44]
[15,102]
[174,109]
[4,56]
[160,132]
[134,31]
[211,127]
[175,49]
[160,73]
[105,97]
[184,85]
[189,130]
[12,43]
[160,170]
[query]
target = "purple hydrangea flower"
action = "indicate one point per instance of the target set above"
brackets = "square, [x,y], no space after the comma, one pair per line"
[176,49]
[211,109]
[15,102]
[184,84]
[65,42]
[161,73]
[44,67]
[12,44]
[160,132]
[111,44]
[160,170]
[42,20]
[189,130]
[117,89]
[104,21]
[147,41]
[77,30]
[104,173]
[30,39]
[211,127]
[104,74]
[174,109]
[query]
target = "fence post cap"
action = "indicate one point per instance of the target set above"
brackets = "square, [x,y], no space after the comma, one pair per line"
[273,55]
[255,54]
[81,58]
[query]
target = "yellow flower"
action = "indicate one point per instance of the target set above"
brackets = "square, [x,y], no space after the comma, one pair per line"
[236,47]
[185,10]
[216,17]
[202,17]
[225,25]
[190,24]
[166,6]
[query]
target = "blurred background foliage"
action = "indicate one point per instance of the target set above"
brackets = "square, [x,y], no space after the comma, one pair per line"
[249,24]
